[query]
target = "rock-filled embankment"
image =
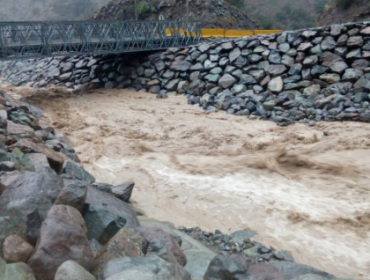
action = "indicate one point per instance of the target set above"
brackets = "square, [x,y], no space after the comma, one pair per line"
[320,74]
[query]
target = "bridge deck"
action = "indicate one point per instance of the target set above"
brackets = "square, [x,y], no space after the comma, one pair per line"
[37,39]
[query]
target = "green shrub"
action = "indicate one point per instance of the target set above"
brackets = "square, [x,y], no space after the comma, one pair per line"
[266,23]
[236,3]
[142,8]
[344,4]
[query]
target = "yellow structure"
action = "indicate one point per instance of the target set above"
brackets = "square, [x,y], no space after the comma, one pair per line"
[228,33]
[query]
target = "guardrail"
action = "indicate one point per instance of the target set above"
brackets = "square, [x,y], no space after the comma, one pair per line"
[226,33]
[233,33]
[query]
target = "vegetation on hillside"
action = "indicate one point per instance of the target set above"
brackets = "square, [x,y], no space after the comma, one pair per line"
[340,11]
[285,14]
[20,10]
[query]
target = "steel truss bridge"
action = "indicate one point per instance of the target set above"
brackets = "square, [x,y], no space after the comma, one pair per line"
[39,39]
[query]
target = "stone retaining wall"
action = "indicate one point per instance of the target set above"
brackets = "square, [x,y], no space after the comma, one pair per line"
[319,74]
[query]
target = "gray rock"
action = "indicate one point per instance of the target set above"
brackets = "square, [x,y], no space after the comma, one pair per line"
[257,74]
[360,64]
[276,85]
[260,49]
[287,60]
[276,70]
[198,262]
[312,90]
[309,34]
[168,75]
[316,50]
[197,67]
[223,61]
[338,67]
[284,48]
[269,105]
[101,224]
[227,46]
[328,43]
[144,268]
[330,78]
[75,170]
[209,65]
[295,69]
[234,54]
[225,268]
[284,255]
[336,29]
[16,271]
[318,70]
[112,204]
[21,204]
[172,84]
[352,75]
[70,270]
[274,57]
[311,60]
[124,191]
[355,41]
[227,81]
[204,47]
[356,53]
[65,77]
[341,51]
[253,58]
[304,47]
[73,195]
[216,70]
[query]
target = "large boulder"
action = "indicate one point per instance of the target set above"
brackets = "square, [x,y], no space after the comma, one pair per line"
[101,224]
[127,242]
[73,195]
[143,268]
[25,201]
[111,204]
[15,249]
[124,190]
[76,171]
[71,270]
[154,233]
[16,271]
[227,268]
[62,237]
[198,262]
[26,145]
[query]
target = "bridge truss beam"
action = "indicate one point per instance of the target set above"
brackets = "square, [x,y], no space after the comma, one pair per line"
[39,39]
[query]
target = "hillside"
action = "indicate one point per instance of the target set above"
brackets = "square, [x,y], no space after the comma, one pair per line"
[355,10]
[212,13]
[31,10]
[285,14]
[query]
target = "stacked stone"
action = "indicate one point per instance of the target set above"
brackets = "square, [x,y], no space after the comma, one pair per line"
[319,74]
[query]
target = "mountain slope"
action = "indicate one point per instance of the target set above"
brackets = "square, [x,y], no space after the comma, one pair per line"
[212,13]
[285,14]
[357,10]
[31,10]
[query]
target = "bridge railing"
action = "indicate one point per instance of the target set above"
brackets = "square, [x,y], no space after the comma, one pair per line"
[35,39]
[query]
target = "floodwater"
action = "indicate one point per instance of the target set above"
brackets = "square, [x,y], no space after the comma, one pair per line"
[301,190]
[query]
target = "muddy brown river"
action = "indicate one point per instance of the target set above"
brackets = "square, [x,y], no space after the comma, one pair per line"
[301,190]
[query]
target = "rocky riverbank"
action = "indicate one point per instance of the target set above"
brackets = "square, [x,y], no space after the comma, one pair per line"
[319,74]
[57,222]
